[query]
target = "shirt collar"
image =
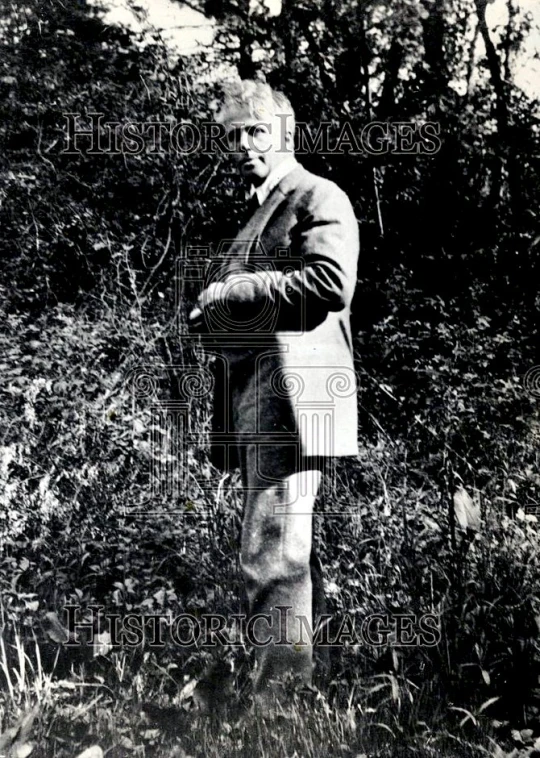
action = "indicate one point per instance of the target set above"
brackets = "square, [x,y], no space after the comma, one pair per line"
[273,179]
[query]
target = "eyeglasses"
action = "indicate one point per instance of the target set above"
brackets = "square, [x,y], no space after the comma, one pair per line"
[256,136]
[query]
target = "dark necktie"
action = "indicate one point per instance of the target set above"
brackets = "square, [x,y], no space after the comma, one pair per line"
[251,206]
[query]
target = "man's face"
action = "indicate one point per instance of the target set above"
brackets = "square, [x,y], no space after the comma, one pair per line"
[258,145]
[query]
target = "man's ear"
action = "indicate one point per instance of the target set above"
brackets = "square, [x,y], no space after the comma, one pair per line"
[289,140]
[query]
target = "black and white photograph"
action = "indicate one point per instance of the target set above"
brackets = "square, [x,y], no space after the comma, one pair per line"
[270,378]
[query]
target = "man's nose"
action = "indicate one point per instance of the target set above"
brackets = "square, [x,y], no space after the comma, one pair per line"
[245,142]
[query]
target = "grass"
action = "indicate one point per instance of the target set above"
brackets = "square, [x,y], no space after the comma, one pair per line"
[76,452]
[82,710]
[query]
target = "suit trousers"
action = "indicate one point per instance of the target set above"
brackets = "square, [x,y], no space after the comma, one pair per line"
[281,571]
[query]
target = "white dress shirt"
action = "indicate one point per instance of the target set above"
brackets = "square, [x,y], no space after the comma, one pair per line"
[273,179]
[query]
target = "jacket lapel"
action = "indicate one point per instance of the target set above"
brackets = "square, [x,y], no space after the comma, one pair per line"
[247,240]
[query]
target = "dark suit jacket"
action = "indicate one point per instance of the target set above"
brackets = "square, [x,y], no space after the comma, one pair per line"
[281,338]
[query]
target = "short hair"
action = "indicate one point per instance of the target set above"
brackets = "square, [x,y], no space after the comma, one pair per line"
[258,99]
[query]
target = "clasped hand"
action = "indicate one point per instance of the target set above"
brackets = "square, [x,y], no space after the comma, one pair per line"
[210,295]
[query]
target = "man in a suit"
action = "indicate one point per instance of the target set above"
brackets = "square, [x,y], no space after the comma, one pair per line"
[278,307]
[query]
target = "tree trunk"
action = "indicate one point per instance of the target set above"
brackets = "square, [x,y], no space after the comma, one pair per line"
[433,36]
[501,108]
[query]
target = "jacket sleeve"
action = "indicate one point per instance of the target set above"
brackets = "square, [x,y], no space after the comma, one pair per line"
[324,251]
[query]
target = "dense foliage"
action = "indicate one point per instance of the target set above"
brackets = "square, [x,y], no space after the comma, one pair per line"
[98,505]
